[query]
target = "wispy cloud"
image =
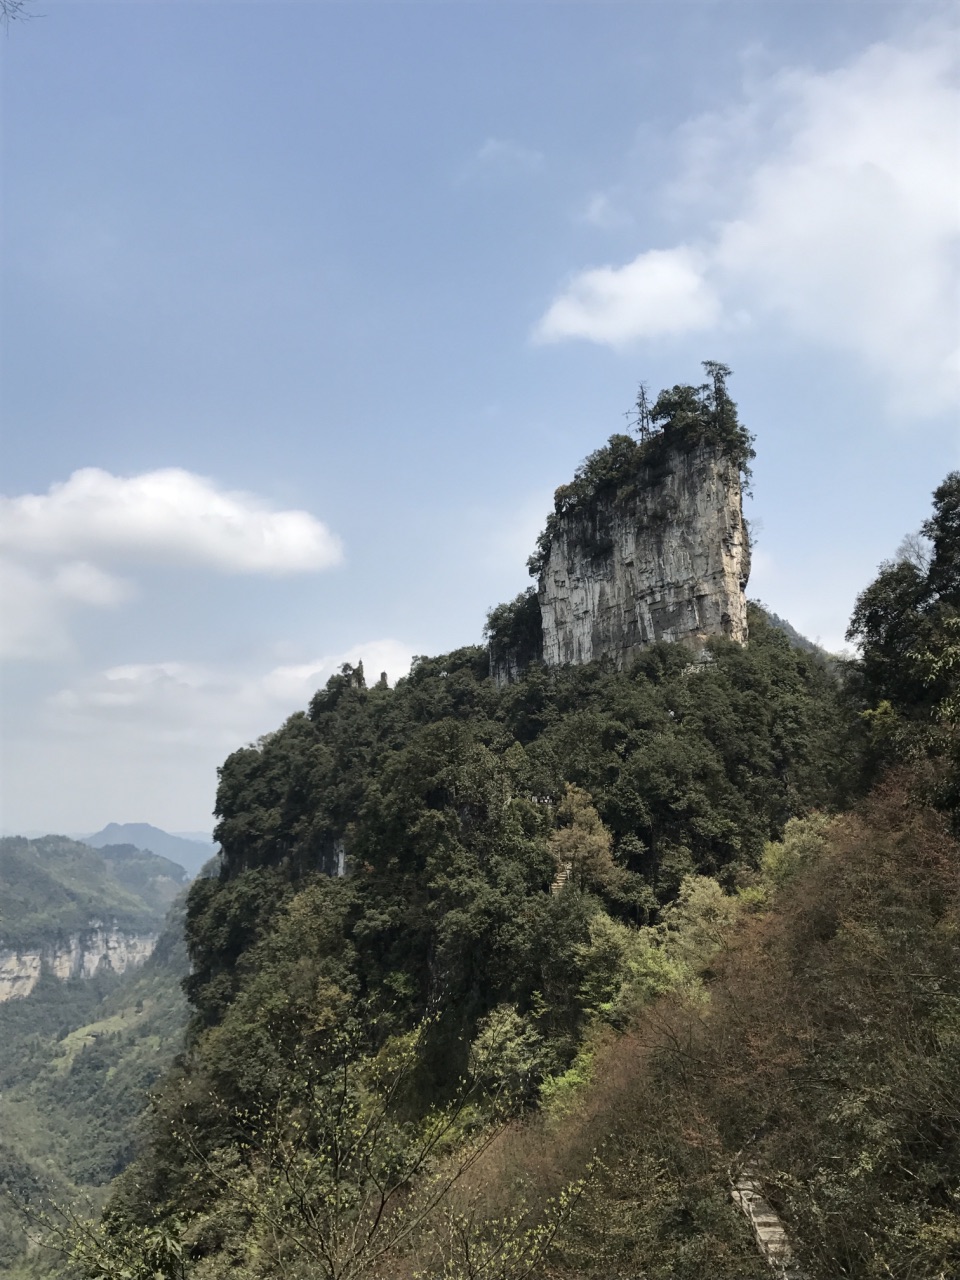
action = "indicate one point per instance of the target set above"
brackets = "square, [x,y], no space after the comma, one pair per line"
[502,156]
[58,549]
[38,599]
[842,223]
[187,702]
[606,212]
[145,739]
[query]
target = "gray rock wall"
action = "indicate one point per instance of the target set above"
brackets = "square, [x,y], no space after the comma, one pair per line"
[76,957]
[669,562]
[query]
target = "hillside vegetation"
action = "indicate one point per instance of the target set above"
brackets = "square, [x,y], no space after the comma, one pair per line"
[444,957]
[606,940]
[54,888]
[77,1056]
[76,1061]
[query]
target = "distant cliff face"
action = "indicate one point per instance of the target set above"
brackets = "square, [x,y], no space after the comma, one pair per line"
[666,558]
[79,956]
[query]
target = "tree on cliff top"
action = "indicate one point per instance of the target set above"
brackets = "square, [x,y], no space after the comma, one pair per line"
[682,418]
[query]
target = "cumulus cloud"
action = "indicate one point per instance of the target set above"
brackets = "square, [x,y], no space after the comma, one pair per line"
[661,291]
[841,222]
[50,545]
[84,583]
[170,515]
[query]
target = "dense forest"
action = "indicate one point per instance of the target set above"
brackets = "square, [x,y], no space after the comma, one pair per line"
[78,1054]
[513,981]
[54,887]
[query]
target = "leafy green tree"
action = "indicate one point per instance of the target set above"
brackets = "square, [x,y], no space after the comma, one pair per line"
[581,845]
[453,803]
[906,623]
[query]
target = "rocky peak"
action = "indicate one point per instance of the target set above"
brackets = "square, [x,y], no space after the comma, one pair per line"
[667,559]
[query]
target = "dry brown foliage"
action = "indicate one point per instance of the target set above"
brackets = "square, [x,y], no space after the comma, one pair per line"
[827,1054]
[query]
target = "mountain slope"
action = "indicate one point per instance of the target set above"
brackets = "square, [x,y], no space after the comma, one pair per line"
[76,1061]
[157,880]
[505,847]
[53,888]
[188,853]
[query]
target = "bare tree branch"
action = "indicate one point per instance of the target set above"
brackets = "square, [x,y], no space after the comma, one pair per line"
[11,10]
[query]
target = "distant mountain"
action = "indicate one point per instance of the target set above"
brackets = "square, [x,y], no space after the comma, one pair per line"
[797,640]
[188,853]
[54,888]
[156,879]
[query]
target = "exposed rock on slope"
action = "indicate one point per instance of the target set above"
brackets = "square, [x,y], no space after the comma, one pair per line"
[77,957]
[68,910]
[646,543]
[667,560]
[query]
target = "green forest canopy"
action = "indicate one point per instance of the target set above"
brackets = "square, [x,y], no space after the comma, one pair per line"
[616,899]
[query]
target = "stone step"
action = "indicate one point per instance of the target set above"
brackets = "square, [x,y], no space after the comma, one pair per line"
[561,878]
[768,1229]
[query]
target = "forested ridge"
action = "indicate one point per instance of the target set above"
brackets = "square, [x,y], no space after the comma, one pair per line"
[604,939]
[54,888]
[78,1055]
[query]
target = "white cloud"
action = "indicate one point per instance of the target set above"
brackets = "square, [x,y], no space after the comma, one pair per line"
[171,516]
[50,544]
[841,222]
[661,291]
[37,600]
[84,583]
[189,703]
[145,739]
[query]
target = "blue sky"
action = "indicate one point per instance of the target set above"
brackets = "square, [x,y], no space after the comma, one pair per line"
[307,309]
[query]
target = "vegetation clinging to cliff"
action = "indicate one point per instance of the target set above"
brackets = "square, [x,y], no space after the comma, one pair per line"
[514,631]
[681,419]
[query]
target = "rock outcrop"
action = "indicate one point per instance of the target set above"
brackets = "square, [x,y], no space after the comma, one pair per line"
[79,956]
[663,558]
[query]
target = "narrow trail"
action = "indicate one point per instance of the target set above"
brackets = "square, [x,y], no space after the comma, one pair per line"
[770,1233]
[561,878]
[747,1190]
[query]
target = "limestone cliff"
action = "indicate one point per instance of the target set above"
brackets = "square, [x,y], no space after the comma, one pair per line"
[646,543]
[78,956]
[665,557]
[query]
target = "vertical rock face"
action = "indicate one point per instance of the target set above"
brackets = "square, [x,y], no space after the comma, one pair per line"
[666,558]
[79,956]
